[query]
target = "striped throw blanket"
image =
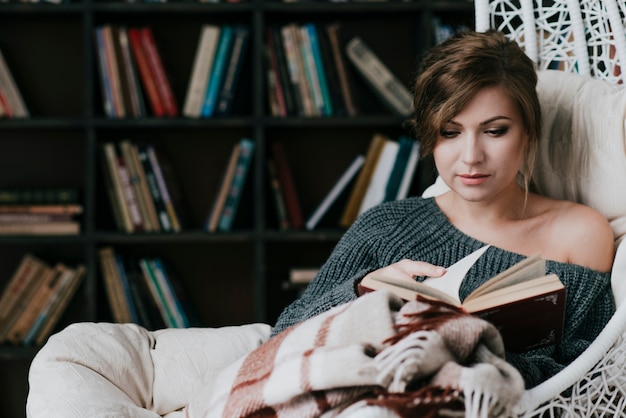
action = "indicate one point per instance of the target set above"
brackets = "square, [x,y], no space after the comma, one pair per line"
[372,357]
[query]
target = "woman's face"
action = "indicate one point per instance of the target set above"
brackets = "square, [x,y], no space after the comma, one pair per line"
[479,152]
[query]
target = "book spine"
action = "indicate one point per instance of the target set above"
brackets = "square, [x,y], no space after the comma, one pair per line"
[112,161]
[291,57]
[288,186]
[376,189]
[36,195]
[73,209]
[347,90]
[331,74]
[217,71]
[113,68]
[107,92]
[385,84]
[39,299]
[398,169]
[201,70]
[155,61]
[170,295]
[129,195]
[126,149]
[409,171]
[128,296]
[157,292]
[351,211]
[133,94]
[113,286]
[334,193]
[144,188]
[279,196]
[49,321]
[310,70]
[165,195]
[316,50]
[220,198]
[18,284]
[283,72]
[155,191]
[276,93]
[236,189]
[42,228]
[147,78]
[233,70]
[12,93]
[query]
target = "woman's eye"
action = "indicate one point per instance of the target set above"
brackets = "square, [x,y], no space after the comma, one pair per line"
[497,131]
[449,134]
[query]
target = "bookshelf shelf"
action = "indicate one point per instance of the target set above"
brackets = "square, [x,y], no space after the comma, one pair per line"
[52,54]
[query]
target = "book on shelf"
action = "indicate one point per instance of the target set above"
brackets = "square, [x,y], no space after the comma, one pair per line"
[201,70]
[302,275]
[146,76]
[131,88]
[39,195]
[409,171]
[393,93]
[311,74]
[288,186]
[524,303]
[220,198]
[341,185]
[51,283]
[103,71]
[158,69]
[278,195]
[217,71]
[375,192]
[125,217]
[157,162]
[333,32]
[51,313]
[402,169]
[155,191]
[141,192]
[42,209]
[235,191]
[330,72]
[351,210]
[22,285]
[147,309]
[295,65]
[113,65]
[41,228]
[117,298]
[13,102]
[280,91]
[233,70]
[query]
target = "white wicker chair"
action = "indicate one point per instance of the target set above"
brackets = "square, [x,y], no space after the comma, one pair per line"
[587,37]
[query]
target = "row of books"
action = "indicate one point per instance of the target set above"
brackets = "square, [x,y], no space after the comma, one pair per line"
[218,62]
[142,187]
[130,65]
[143,291]
[11,101]
[383,174]
[40,211]
[308,74]
[35,298]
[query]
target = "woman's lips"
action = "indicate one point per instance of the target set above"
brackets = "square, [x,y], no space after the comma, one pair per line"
[473,179]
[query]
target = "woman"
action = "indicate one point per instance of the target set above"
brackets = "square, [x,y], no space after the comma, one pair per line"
[478,113]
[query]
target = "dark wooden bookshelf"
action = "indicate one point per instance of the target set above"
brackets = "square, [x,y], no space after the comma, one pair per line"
[234,277]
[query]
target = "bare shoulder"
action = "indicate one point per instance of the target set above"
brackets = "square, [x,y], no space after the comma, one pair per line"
[587,233]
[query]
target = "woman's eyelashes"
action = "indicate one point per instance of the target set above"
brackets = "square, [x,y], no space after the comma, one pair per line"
[492,132]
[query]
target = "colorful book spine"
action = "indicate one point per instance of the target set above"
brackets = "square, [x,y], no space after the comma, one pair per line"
[164,87]
[327,108]
[201,70]
[232,73]
[236,188]
[165,194]
[217,71]
[107,92]
[147,78]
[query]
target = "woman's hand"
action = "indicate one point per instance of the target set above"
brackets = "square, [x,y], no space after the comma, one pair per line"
[408,270]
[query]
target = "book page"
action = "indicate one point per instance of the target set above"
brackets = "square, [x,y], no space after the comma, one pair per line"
[529,268]
[450,282]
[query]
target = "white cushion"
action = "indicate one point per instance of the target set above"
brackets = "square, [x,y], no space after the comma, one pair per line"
[114,370]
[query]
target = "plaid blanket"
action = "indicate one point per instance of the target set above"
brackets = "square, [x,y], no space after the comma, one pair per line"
[372,357]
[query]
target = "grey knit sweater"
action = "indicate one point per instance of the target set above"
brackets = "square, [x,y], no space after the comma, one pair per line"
[415,228]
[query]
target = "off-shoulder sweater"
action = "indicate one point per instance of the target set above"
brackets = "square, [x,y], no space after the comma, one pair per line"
[417,229]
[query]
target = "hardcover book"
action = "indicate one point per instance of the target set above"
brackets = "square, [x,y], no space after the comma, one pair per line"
[525,304]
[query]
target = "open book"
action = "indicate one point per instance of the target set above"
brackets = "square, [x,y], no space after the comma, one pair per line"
[523,302]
